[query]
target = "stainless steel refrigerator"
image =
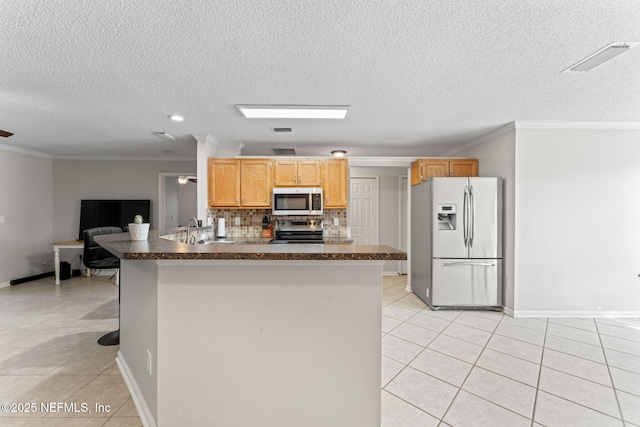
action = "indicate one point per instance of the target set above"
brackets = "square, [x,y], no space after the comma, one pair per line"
[456,242]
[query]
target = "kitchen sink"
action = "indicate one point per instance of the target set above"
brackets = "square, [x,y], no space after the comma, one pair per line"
[215,241]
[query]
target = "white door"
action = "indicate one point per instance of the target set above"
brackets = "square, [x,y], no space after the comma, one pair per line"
[364,211]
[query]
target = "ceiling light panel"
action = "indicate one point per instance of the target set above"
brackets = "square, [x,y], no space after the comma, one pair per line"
[294,111]
[603,55]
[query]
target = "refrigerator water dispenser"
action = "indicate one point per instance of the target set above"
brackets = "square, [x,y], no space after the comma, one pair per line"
[446,217]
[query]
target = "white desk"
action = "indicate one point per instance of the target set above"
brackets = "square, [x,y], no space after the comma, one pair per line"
[70,244]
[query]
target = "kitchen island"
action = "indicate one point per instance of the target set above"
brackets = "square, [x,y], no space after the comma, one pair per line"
[251,334]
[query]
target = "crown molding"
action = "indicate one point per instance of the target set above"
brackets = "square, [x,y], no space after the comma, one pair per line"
[576,125]
[128,159]
[206,138]
[25,151]
[500,131]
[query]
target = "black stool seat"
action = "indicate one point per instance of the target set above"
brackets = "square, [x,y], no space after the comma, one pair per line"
[97,257]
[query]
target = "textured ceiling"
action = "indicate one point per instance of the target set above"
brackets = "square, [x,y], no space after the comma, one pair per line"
[91,78]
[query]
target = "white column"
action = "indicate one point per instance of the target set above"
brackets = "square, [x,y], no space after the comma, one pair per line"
[207,147]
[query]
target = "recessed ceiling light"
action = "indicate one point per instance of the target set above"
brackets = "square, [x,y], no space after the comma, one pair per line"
[294,111]
[164,135]
[176,118]
[338,153]
[603,55]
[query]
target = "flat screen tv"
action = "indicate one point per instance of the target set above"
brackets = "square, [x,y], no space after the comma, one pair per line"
[119,213]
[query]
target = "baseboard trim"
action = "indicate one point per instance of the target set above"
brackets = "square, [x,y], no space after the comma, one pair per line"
[588,314]
[136,395]
[508,311]
[391,273]
[5,284]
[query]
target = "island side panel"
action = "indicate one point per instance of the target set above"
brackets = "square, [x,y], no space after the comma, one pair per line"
[138,334]
[269,343]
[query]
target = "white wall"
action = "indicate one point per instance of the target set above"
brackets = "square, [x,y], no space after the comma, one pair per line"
[187,203]
[26,197]
[577,229]
[389,208]
[496,157]
[570,228]
[74,180]
[171,202]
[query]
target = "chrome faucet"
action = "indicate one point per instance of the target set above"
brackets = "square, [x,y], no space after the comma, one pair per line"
[189,237]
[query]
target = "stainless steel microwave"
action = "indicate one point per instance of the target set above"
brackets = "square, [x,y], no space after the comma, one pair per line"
[297,201]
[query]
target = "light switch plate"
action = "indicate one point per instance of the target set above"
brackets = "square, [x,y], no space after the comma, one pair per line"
[2,219]
[336,221]
[237,220]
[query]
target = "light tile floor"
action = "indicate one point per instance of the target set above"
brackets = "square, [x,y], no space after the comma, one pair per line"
[49,355]
[484,368]
[439,368]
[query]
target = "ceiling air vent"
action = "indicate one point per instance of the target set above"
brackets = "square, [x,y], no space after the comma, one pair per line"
[284,151]
[603,55]
[281,129]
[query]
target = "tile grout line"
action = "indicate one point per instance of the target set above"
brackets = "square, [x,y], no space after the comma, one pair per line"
[613,385]
[535,398]
[407,366]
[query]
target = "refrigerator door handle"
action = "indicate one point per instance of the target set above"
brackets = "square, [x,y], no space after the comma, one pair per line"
[465,220]
[479,264]
[472,216]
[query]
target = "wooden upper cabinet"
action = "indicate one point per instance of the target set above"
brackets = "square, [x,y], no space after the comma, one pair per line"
[224,182]
[422,169]
[286,173]
[239,183]
[336,183]
[309,173]
[255,183]
[463,167]
[298,173]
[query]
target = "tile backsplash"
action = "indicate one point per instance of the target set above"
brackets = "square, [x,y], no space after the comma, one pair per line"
[251,221]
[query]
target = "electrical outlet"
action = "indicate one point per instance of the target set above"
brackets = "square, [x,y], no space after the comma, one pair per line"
[237,220]
[336,221]
[149,363]
[2,219]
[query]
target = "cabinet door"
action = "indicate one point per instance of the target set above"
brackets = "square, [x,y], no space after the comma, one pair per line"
[309,173]
[224,183]
[416,172]
[461,167]
[255,183]
[434,168]
[335,184]
[286,174]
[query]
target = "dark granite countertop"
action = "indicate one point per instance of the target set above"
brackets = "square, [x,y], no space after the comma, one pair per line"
[156,248]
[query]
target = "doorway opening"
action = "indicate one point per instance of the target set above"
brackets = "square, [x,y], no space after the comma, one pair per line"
[177,202]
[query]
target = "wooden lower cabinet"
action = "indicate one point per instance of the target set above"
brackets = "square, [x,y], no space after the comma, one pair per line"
[423,169]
